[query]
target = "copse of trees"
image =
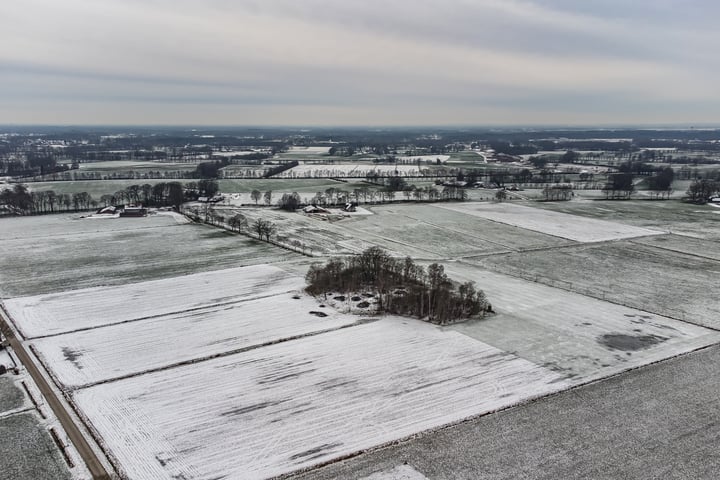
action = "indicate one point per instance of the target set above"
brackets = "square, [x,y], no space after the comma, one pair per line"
[620,185]
[280,168]
[702,189]
[18,200]
[401,286]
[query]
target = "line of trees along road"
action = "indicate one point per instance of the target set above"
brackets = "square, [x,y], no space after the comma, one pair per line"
[402,287]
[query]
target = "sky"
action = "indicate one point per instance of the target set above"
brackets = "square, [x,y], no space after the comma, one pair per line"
[360,63]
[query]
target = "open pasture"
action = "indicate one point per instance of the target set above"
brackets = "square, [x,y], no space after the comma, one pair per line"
[136,166]
[65,253]
[98,188]
[280,408]
[684,244]
[63,312]
[484,236]
[641,276]
[702,221]
[584,338]
[120,350]
[571,227]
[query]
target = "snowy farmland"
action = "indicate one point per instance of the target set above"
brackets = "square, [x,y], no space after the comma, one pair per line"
[582,337]
[571,227]
[51,253]
[311,170]
[57,313]
[120,350]
[287,406]
[627,272]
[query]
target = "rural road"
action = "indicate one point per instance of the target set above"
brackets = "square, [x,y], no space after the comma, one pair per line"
[96,468]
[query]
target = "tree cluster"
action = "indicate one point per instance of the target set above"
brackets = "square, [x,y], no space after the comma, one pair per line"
[701,190]
[402,287]
[620,185]
[553,193]
[280,168]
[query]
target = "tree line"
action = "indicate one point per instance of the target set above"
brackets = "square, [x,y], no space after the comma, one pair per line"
[402,287]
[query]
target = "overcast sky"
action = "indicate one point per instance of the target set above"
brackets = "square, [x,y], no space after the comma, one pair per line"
[369,62]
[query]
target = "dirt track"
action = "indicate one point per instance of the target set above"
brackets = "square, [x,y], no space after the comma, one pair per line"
[94,465]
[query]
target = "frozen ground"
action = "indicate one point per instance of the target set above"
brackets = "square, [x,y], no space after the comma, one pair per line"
[424,158]
[660,421]
[641,276]
[65,253]
[120,350]
[11,397]
[684,244]
[27,452]
[443,232]
[571,227]
[686,219]
[298,403]
[347,170]
[64,312]
[581,337]
[422,231]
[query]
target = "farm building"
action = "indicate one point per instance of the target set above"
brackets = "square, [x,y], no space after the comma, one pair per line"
[133,211]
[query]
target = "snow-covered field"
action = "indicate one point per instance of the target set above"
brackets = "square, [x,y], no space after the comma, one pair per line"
[119,350]
[93,307]
[313,150]
[53,253]
[347,170]
[280,408]
[572,227]
[424,158]
[627,272]
[573,333]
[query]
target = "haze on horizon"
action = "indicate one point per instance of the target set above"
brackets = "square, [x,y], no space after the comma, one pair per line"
[370,62]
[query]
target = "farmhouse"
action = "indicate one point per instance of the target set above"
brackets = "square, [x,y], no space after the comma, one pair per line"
[133,211]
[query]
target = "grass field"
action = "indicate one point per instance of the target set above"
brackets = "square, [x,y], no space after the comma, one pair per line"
[669,216]
[96,188]
[132,166]
[641,276]
[27,450]
[431,222]
[418,230]
[67,253]
[684,244]
[348,170]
